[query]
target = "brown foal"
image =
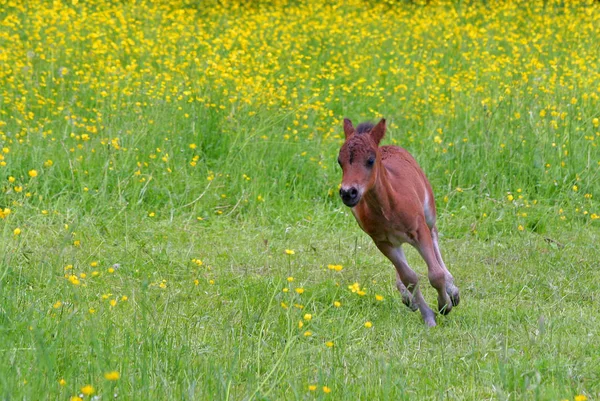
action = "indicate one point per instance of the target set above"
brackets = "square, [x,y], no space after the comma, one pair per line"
[393,202]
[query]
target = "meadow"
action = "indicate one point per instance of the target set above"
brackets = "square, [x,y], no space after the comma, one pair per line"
[169,220]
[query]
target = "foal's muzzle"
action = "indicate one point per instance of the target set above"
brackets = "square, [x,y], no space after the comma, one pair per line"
[349,196]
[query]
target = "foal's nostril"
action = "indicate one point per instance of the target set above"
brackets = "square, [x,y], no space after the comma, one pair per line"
[353,192]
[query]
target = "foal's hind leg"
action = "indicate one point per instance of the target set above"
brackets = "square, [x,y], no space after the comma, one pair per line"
[451,289]
[435,271]
[409,279]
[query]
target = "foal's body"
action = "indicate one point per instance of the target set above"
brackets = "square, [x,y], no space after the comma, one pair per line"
[393,202]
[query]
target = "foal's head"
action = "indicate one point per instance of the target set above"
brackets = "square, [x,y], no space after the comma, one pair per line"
[358,159]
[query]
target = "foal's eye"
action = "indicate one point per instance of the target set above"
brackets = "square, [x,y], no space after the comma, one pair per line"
[370,161]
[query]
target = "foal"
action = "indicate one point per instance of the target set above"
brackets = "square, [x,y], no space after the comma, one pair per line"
[393,202]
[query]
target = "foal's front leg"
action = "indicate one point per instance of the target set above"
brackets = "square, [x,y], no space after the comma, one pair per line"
[407,296]
[409,279]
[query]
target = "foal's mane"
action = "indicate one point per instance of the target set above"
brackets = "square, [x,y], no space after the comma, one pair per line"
[365,127]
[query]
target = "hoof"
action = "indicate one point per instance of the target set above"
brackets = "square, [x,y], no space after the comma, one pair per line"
[444,305]
[409,303]
[429,319]
[445,309]
[407,296]
[453,293]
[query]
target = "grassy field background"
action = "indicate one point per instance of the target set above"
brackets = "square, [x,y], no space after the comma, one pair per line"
[169,220]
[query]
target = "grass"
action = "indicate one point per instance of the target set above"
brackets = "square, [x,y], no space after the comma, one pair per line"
[157,161]
[527,328]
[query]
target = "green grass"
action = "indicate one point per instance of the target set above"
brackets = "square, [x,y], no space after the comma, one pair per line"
[527,327]
[180,132]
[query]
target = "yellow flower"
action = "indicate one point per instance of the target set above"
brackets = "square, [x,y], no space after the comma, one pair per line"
[57,305]
[4,213]
[312,387]
[326,390]
[290,279]
[379,297]
[112,376]
[580,397]
[33,173]
[62,382]
[329,344]
[368,325]
[87,390]
[520,228]
[300,324]
[307,317]
[75,398]
[354,287]
[299,290]
[307,333]
[510,197]
[337,304]
[289,251]
[17,231]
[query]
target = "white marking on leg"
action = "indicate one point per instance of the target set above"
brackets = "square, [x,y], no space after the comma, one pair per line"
[429,218]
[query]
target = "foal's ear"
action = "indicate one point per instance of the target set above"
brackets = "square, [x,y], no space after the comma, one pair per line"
[348,128]
[378,131]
